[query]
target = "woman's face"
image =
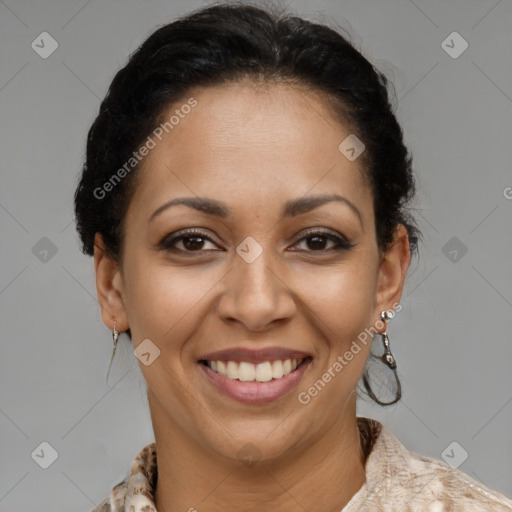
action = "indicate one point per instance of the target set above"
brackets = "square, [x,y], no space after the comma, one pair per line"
[282,264]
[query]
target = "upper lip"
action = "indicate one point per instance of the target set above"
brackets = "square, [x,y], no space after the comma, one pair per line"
[248,355]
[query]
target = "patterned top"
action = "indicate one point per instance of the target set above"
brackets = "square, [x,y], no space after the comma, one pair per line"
[396,480]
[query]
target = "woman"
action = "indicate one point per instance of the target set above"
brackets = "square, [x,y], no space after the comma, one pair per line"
[245,198]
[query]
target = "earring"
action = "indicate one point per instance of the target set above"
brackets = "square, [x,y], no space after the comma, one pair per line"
[115,336]
[388,359]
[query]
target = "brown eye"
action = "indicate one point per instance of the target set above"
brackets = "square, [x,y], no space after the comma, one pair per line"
[191,241]
[318,240]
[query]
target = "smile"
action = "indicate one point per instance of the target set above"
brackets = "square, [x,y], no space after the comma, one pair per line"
[253,383]
[249,372]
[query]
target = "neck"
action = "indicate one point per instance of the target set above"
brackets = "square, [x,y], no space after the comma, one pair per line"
[323,477]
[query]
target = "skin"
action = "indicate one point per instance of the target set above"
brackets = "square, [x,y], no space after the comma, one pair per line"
[253,148]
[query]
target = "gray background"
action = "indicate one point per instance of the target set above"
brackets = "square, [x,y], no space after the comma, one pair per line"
[452,339]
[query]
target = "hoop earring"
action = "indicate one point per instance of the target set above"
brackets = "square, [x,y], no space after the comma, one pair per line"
[389,360]
[115,337]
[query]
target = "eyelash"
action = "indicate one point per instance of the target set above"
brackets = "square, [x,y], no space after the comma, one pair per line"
[341,244]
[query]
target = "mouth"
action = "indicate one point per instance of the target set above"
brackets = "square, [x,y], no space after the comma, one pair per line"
[255,383]
[249,372]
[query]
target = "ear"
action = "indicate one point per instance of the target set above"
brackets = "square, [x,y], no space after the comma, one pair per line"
[109,287]
[393,269]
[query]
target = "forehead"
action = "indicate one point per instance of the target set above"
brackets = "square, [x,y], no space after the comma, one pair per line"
[249,142]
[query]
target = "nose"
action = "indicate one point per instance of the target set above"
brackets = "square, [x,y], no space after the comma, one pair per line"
[256,294]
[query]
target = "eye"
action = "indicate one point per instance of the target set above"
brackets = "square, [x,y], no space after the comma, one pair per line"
[191,240]
[316,240]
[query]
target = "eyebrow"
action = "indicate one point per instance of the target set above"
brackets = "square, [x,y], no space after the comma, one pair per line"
[291,208]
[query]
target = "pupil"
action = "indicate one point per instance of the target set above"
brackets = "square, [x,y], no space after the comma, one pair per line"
[317,238]
[196,244]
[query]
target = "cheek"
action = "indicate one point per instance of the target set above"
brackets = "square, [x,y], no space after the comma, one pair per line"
[162,302]
[343,299]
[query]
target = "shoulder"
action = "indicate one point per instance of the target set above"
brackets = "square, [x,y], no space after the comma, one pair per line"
[116,500]
[399,477]
[443,487]
[140,482]
[104,506]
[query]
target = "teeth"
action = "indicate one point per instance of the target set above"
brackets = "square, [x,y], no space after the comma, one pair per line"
[277,369]
[249,372]
[246,371]
[221,367]
[264,372]
[232,370]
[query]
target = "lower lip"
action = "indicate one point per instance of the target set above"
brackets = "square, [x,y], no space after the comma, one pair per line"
[256,392]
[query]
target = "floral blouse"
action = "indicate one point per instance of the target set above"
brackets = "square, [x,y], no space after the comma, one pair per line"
[396,480]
